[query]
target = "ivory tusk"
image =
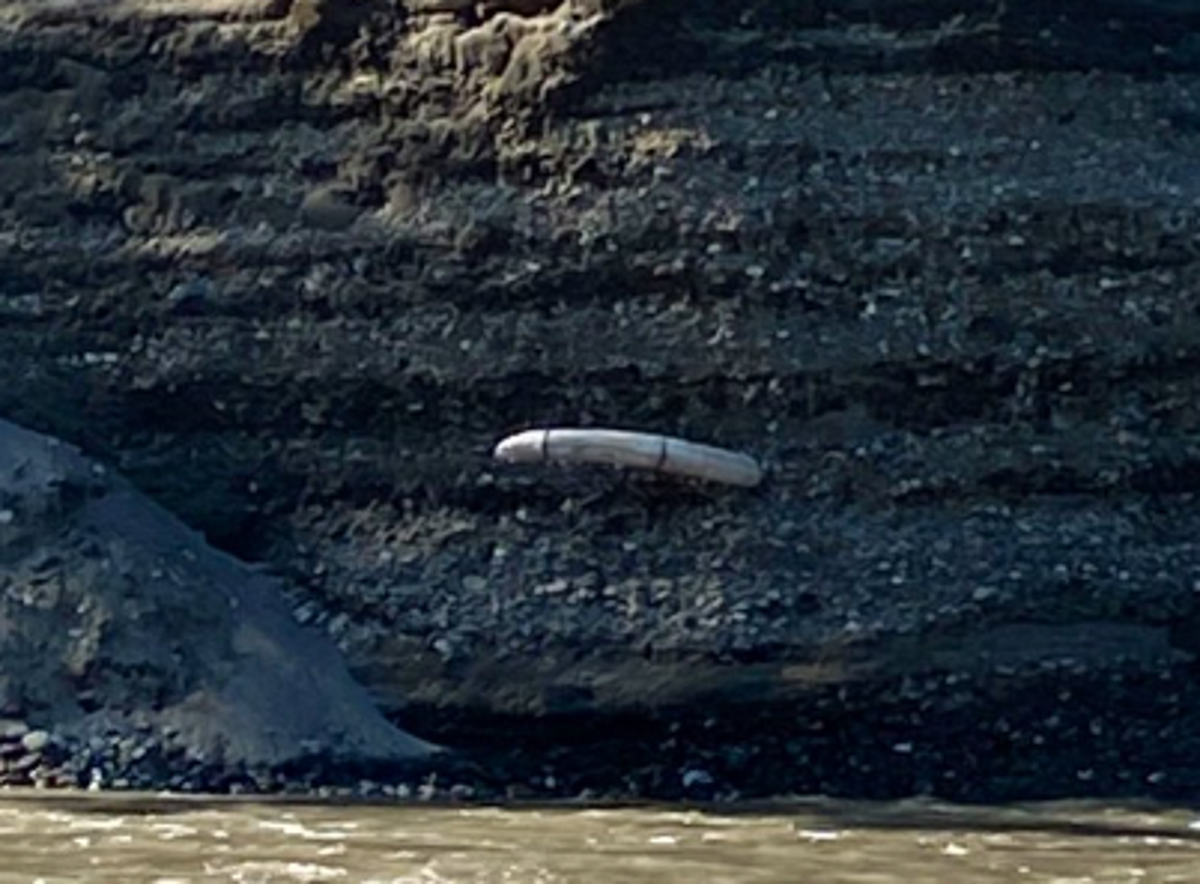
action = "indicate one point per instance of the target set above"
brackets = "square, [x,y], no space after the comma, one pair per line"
[664,454]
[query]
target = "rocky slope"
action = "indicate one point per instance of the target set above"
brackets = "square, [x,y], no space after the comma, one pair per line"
[128,645]
[294,267]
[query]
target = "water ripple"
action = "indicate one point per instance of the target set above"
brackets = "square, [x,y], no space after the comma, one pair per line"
[56,837]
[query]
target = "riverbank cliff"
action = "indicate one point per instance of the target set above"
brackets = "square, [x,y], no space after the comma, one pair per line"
[293,266]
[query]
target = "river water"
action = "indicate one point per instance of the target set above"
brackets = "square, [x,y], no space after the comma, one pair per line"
[69,837]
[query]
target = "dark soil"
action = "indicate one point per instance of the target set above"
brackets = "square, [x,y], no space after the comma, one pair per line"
[295,270]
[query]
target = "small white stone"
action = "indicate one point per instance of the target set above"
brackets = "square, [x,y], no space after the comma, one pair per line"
[35,741]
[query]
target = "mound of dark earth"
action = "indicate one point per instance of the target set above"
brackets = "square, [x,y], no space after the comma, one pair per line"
[294,267]
[118,622]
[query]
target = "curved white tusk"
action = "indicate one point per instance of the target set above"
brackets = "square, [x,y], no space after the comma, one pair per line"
[664,454]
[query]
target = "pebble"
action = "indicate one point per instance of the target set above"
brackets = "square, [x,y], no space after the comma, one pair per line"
[328,208]
[462,792]
[35,741]
[192,293]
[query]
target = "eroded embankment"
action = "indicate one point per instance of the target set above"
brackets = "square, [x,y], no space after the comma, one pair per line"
[296,270]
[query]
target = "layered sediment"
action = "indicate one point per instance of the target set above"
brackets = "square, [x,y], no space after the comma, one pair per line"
[295,267]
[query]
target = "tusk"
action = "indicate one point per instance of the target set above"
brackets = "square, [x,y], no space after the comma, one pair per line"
[664,454]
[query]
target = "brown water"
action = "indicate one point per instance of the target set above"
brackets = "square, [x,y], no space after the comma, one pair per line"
[149,838]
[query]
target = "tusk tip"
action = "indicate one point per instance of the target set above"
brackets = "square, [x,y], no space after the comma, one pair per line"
[519,448]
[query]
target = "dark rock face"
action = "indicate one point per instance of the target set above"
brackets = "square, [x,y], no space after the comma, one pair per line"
[935,263]
[114,618]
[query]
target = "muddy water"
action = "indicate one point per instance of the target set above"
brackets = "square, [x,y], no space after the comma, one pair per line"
[145,838]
